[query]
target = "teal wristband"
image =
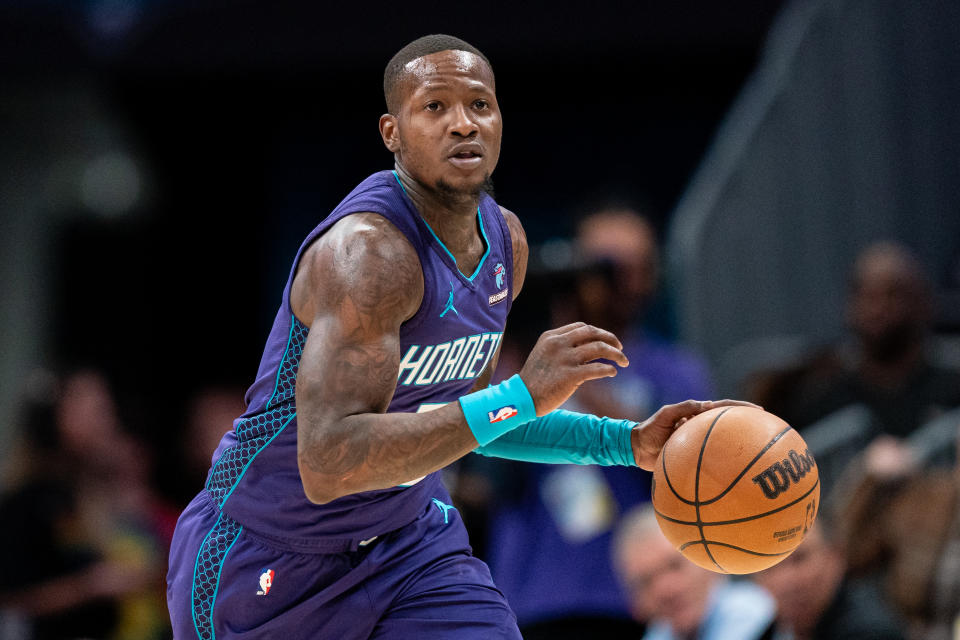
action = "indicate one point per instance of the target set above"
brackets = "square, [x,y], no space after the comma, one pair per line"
[493,411]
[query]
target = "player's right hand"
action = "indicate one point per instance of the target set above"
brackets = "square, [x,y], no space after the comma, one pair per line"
[566,357]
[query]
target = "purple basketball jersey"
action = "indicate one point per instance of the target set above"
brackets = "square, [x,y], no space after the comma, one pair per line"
[444,347]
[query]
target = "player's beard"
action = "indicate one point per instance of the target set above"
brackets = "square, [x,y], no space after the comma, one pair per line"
[451,195]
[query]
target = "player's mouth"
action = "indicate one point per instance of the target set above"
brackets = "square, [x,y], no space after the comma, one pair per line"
[466,156]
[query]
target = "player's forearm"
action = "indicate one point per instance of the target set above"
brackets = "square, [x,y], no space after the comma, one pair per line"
[371,451]
[565,437]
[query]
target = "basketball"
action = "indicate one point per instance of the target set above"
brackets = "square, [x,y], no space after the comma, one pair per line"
[735,489]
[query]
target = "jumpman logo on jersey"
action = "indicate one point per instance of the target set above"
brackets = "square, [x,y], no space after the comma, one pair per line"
[444,508]
[450,304]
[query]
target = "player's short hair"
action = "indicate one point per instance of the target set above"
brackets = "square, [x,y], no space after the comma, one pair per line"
[420,47]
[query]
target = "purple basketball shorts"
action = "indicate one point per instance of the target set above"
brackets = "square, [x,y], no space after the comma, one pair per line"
[417,582]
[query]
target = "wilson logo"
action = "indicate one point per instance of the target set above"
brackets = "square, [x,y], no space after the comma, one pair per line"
[501,414]
[776,478]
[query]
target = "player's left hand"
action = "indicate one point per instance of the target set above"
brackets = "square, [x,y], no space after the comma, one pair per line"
[648,437]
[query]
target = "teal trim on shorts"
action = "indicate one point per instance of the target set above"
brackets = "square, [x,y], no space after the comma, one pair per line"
[216,590]
[193,584]
[199,602]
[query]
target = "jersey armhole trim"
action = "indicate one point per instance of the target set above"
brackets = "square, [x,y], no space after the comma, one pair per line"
[283,359]
[508,252]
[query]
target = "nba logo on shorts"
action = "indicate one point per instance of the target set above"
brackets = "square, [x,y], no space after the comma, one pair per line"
[501,414]
[266,581]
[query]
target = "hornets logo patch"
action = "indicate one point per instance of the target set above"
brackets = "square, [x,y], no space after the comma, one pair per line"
[498,272]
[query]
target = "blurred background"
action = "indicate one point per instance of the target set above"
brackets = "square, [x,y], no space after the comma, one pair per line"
[161,161]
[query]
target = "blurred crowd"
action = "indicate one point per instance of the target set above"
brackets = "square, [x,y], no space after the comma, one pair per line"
[86,526]
[576,549]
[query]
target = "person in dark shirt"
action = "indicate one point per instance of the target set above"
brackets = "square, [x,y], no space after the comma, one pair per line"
[886,365]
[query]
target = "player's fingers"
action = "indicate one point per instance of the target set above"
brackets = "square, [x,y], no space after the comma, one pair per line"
[594,370]
[689,408]
[713,404]
[597,350]
[671,413]
[590,333]
[567,328]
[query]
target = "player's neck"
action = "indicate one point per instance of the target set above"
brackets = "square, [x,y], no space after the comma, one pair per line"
[436,204]
[453,217]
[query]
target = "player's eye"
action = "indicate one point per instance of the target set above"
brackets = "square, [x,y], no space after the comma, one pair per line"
[480,104]
[432,106]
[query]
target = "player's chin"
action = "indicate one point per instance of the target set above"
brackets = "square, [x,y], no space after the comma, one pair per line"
[466,185]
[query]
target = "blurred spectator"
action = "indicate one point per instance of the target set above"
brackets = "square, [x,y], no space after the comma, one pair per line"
[902,521]
[86,557]
[566,586]
[817,601]
[678,599]
[617,286]
[210,413]
[885,365]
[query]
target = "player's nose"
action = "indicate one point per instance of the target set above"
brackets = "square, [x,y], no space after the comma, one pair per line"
[461,123]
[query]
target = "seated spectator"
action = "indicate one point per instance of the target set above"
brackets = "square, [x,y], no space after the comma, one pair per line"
[816,600]
[885,364]
[901,522]
[616,288]
[210,412]
[678,599]
[566,584]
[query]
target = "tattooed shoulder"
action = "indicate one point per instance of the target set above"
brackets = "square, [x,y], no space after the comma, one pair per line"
[364,262]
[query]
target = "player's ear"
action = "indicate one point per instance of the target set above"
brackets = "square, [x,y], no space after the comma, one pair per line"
[390,132]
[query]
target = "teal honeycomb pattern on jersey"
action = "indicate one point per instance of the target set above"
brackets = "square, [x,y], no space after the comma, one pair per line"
[206,576]
[290,364]
[255,432]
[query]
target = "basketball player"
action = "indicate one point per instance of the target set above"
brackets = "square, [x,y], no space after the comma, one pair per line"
[323,515]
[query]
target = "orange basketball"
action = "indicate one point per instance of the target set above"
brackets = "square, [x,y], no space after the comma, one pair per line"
[735,489]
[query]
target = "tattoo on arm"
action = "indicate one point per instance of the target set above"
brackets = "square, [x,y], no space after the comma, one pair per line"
[363,280]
